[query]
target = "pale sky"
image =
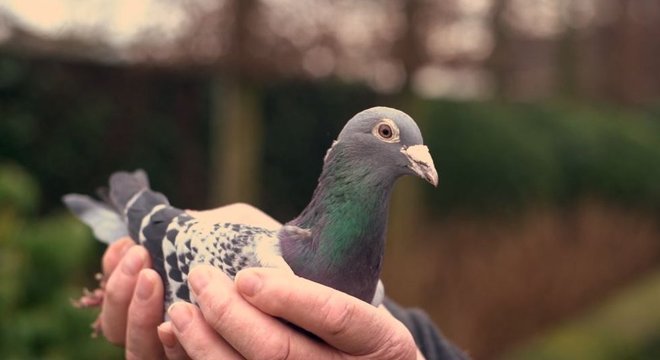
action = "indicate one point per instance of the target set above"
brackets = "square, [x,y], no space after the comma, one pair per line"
[121,20]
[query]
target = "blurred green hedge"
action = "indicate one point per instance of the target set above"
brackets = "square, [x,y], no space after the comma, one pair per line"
[496,156]
[40,259]
[71,124]
[491,157]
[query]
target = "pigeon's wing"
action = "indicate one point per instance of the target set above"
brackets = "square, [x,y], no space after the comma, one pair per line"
[229,247]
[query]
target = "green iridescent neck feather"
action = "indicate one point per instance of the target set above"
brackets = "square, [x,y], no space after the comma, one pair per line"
[347,218]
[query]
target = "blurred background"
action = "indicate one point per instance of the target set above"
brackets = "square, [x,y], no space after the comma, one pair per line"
[541,242]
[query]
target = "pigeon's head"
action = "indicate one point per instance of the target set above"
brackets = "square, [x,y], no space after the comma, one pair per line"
[388,139]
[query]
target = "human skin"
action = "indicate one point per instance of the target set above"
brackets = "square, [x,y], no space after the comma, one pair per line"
[240,319]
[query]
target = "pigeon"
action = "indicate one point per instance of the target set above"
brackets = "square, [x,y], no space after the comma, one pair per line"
[337,240]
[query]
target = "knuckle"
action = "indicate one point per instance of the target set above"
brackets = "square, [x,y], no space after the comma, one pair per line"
[114,333]
[115,295]
[217,310]
[115,341]
[112,296]
[109,261]
[113,254]
[398,345]
[114,337]
[141,318]
[337,316]
[279,348]
[276,299]
[131,355]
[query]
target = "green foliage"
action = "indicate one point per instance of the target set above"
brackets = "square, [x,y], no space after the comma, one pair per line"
[72,124]
[17,189]
[71,133]
[495,156]
[40,259]
[491,157]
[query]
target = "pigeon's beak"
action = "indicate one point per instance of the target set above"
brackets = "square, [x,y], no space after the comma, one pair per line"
[421,163]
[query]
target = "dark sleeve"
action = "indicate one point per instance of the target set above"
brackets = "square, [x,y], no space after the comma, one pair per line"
[428,338]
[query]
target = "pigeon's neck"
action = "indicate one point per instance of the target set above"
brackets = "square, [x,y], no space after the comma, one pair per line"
[347,217]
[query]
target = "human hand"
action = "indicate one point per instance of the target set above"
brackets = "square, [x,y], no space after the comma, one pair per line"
[130,318]
[240,320]
[132,306]
[239,213]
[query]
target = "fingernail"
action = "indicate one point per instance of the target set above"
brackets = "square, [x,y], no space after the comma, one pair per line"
[198,279]
[180,315]
[133,261]
[248,282]
[145,286]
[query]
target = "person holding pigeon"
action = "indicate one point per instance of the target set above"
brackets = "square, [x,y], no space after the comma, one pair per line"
[334,247]
[132,313]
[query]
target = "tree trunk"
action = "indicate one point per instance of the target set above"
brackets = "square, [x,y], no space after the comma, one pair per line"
[236,122]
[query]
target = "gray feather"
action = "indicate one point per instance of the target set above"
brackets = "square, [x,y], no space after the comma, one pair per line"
[106,224]
[124,186]
[379,296]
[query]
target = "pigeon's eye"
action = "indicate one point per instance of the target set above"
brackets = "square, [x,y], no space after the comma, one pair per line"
[386,130]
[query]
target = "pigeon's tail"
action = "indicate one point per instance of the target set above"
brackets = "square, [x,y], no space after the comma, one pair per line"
[128,200]
[105,221]
[126,187]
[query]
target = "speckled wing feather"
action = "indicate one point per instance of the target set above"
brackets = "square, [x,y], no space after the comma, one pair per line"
[229,247]
[175,240]
[184,242]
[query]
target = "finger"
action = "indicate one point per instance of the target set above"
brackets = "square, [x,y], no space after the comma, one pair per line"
[173,349]
[341,320]
[119,292]
[240,213]
[252,333]
[195,335]
[145,313]
[114,253]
